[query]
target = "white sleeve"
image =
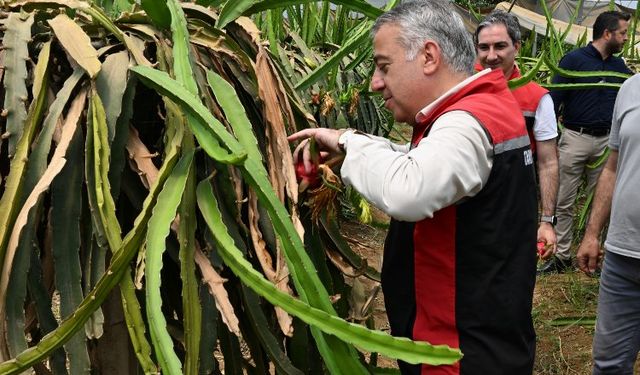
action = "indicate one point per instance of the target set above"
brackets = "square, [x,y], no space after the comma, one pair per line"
[453,162]
[404,148]
[546,126]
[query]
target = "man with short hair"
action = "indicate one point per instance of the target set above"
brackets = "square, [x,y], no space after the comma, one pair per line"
[617,338]
[586,116]
[459,258]
[497,43]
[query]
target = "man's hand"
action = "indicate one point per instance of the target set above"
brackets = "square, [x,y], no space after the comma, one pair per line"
[547,235]
[589,254]
[326,141]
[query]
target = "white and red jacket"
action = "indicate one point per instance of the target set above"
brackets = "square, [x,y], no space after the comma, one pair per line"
[459,264]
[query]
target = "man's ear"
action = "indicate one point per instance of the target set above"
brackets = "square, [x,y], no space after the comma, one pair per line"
[432,55]
[517,46]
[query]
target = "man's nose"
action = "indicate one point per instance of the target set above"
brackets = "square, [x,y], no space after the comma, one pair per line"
[377,83]
[492,55]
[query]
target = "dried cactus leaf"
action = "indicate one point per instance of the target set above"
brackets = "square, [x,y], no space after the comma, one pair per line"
[140,158]
[77,43]
[111,84]
[216,287]
[281,166]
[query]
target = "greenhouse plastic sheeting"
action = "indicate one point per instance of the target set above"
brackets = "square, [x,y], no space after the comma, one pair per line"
[533,20]
[563,9]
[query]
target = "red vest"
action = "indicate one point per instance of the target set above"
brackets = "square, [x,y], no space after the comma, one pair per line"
[528,97]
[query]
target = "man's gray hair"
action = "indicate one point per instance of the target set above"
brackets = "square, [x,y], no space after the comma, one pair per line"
[500,17]
[432,20]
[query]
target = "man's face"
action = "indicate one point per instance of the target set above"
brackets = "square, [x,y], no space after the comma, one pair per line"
[400,81]
[496,49]
[618,37]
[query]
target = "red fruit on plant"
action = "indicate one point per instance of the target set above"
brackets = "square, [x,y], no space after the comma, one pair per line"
[307,179]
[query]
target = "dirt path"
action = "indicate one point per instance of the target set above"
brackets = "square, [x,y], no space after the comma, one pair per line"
[561,349]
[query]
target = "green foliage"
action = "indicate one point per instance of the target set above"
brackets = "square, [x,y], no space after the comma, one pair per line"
[325,51]
[18,31]
[158,12]
[376,341]
[158,229]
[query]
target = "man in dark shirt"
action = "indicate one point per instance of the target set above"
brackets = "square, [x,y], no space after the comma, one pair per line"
[586,116]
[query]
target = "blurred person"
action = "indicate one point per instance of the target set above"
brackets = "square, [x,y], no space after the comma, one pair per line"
[451,273]
[586,117]
[498,41]
[617,337]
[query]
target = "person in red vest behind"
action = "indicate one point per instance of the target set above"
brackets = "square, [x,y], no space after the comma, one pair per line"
[459,259]
[497,41]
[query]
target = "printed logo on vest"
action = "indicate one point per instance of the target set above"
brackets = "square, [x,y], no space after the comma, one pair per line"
[528,157]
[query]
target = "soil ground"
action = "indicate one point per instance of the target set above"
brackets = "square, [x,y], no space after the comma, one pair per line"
[563,348]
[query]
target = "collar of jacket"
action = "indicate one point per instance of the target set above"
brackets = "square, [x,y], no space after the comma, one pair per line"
[486,81]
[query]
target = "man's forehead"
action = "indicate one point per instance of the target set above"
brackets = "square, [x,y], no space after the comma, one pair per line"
[389,32]
[621,25]
[496,32]
[386,42]
[494,41]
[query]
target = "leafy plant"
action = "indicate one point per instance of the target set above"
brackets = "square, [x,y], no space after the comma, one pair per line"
[325,51]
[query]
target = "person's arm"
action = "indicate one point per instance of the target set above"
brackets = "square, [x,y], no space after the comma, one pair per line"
[453,162]
[545,132]
[328,142]
[548,176]
[589,250]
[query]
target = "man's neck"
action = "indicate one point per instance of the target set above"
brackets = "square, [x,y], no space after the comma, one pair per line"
[601,46]
[447,81]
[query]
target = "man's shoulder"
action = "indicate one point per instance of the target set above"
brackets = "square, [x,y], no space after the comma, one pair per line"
[578,55]
[534,86]
[578,52]
[620,64]
[633,81]
[574,58]
[530,90]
